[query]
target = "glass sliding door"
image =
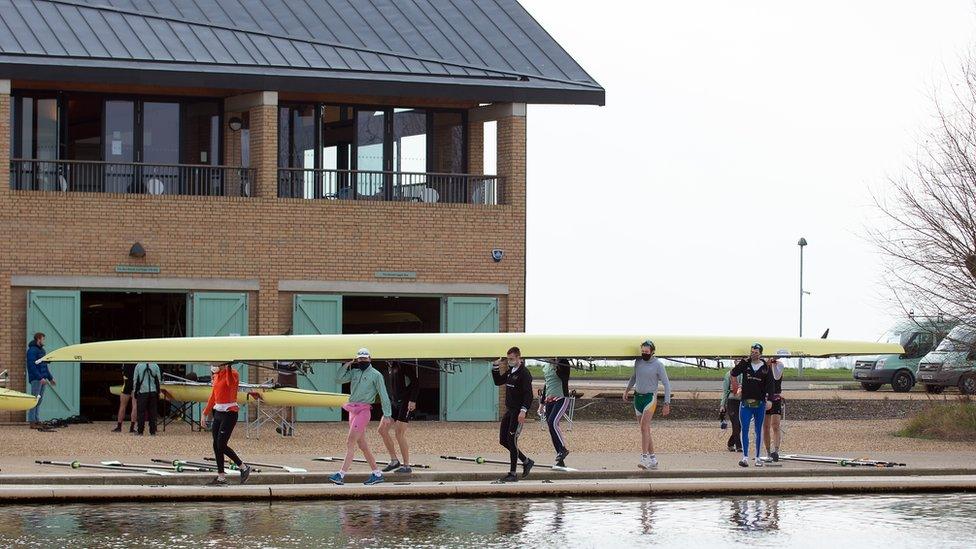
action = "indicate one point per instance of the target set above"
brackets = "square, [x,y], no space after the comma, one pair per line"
[410,156]
[119,141]
[448,156]
[200,143]
[298,129]
[338,136]
[371,145]
[35,132]
[83,142]
[160,149]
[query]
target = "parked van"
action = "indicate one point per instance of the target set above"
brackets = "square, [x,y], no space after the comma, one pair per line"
[952,363]
[918,336]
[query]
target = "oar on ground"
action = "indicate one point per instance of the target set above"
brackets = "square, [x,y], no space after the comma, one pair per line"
[178,468]
[78,465]
[361,460]
[271,465]
[212,467]
[480,460]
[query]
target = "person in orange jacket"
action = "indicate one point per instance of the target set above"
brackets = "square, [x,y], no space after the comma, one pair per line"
[223,406]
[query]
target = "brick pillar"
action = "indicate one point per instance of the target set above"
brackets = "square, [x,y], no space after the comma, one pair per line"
[6,339]
[262,109]
[264,149]
[511,168]
[6,134]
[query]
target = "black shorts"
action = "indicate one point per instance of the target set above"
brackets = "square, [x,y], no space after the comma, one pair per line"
[127,387]
[401,412]
[777,409]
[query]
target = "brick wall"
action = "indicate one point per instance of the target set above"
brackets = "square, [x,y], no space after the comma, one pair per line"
[262,237]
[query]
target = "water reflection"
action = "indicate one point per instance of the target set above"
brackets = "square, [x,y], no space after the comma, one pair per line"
[891,521]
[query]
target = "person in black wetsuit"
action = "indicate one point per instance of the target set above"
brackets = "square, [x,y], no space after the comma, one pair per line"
[757,385]
[772,429]
[128,371]
[404,387]
[518,399]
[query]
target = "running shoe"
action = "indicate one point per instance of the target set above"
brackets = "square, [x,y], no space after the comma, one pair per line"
[118,428]
[560,463]
[374,479]
[245,472]
[405,469]
[774,455]
[217,481]
[651,462]
[561,456]
[744,462]
[526,467]
[643,461]
[510,477]
[337,479]
[758,462]
[393,466]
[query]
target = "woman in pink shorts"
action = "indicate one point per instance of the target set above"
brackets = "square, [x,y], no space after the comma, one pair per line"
[366,383]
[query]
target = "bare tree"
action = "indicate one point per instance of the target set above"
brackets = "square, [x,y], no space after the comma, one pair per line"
[929,231]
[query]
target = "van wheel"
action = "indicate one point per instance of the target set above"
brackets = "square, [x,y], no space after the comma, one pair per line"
[902,382]
[934,389]
[871,386]
[967,385]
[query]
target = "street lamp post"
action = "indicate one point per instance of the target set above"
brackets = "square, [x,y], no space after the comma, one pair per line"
[802,244]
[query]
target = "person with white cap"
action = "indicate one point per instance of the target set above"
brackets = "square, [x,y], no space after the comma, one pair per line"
[366,383]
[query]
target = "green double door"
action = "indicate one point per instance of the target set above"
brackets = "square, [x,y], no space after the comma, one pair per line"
[471,394]
[57,314]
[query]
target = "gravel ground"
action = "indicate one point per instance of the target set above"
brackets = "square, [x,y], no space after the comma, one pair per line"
[434,438]
[706,409]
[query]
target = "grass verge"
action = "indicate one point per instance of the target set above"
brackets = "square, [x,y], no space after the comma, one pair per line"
[950,421]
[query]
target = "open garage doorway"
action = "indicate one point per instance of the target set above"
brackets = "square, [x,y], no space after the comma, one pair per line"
[122,315]
[399,315]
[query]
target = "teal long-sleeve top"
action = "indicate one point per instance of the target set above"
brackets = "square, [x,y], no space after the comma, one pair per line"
[365,385]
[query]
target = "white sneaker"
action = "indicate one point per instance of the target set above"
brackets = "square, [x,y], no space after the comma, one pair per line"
[759,462]
[744,462]
[651,462]
[643,463]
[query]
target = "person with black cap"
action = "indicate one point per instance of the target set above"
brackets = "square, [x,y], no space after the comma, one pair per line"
[648,373]
[757,385]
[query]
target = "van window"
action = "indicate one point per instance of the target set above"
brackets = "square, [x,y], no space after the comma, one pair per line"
[960,339]
[916,344]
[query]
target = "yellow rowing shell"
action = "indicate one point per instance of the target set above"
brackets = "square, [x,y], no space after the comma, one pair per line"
[271,396]
[16,401]
[186,350]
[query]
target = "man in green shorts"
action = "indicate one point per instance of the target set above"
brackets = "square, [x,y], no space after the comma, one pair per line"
[649,372]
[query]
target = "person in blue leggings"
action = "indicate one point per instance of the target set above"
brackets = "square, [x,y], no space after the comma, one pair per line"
[757,385]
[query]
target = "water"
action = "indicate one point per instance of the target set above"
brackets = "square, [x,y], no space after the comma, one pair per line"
[918,520]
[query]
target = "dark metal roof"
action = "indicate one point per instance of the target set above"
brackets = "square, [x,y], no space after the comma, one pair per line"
[482,50]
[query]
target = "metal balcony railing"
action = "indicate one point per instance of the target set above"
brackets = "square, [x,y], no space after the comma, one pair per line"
[130,178]
[390,186]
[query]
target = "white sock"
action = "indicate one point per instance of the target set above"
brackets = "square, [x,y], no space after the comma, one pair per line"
[342,474]
[377,472]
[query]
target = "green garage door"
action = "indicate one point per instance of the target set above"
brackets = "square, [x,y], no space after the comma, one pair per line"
[58,315]
[315,314]
[219,314]
[469,395]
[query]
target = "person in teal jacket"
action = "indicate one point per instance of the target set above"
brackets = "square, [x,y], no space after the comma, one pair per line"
[366,383]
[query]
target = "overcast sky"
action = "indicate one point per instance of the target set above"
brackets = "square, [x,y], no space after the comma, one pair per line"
[731,129]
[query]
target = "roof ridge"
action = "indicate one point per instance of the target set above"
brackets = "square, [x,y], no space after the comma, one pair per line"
[232,28]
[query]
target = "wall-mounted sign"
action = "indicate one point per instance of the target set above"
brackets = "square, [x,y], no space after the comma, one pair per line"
[395,274]
[136,269]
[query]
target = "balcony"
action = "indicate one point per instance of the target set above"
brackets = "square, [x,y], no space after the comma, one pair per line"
[448,188]
[130,178]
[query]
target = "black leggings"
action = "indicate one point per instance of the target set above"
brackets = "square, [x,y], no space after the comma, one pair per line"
[732,410]
[508,434]
[222,427]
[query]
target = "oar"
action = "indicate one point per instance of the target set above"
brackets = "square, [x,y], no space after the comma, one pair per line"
[178,468]
[843,462]
[850,460]
[361,460]
[212,467]
[480,460]
[272,465]
[78,465]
